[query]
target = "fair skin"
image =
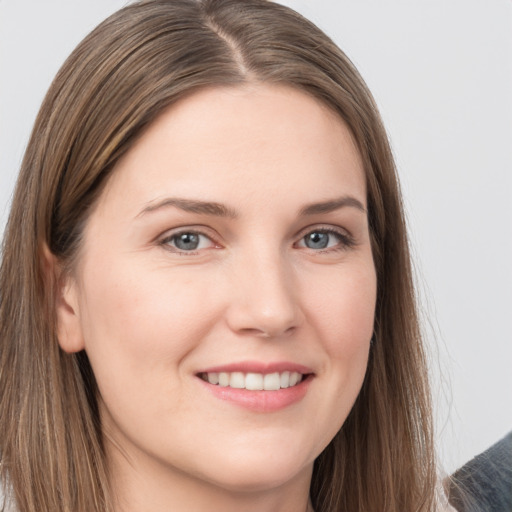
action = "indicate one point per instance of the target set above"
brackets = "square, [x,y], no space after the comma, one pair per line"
[275,278]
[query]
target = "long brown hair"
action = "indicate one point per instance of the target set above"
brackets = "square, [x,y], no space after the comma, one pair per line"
[117,81]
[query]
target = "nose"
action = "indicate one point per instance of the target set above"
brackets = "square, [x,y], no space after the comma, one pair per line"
[265,298]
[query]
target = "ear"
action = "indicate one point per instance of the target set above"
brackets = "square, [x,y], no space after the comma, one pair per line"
[67,312]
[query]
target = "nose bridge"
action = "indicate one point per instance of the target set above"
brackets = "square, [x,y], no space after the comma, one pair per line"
[266,302]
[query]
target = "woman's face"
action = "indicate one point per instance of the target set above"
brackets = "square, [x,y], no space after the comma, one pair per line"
[228,253]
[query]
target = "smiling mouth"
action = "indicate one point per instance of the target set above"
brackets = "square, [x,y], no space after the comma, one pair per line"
[254,381]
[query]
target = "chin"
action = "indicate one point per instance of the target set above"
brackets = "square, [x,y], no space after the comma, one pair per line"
[240,471]
[248,479]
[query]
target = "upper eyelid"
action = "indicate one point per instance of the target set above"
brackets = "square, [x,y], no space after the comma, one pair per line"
[323,227]
[199,230]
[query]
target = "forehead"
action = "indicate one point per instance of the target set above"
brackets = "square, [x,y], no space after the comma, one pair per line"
[241,144]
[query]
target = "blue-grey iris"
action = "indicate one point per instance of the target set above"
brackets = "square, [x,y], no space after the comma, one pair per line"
[317,240]
[187,241]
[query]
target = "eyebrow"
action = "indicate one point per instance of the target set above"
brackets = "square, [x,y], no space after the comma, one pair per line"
[192,206]
[221,210]
[332,205]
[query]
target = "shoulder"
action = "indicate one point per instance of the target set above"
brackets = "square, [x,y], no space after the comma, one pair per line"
[485,482]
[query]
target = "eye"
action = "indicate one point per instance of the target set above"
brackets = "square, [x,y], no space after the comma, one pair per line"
[322,239]
[187,241]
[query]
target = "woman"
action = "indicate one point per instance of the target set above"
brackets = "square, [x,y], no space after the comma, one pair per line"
[206,294]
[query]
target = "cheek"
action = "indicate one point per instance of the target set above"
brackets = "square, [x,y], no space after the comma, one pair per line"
[344,312]
[139,317]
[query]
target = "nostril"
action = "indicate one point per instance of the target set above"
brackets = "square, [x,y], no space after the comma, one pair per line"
[268,333]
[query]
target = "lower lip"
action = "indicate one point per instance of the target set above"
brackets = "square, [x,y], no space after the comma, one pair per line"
[261,401]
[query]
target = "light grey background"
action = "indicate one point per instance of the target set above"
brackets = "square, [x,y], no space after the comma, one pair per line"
[441,72]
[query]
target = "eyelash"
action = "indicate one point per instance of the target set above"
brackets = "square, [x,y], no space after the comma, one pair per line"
[168,239]
[346,241]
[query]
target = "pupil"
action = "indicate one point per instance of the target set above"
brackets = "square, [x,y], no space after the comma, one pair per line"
[317,240]
[187,241]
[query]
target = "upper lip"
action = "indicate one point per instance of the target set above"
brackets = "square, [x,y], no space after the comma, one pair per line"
[259,367]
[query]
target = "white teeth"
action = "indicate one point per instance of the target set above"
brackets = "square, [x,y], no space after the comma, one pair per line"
[271,382]
[254,381]
[213,378]
[237,380]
